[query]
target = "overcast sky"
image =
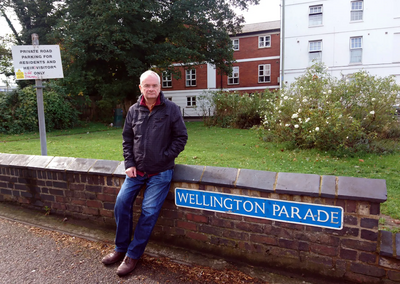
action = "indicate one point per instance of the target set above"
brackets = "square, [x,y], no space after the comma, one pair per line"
[267,10]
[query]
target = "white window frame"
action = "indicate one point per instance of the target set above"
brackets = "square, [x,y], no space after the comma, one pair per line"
[356,44]
[264,41]
[235,44]
[166,79]
[264,73]
[356,49]
[191,101]
[315,16]
[357,12]
[314,51]
[233,78]
[190,75]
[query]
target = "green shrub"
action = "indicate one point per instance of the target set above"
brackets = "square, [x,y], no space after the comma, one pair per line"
[319,111]
[8,102]
[18,111]
[232,109]
[75,96]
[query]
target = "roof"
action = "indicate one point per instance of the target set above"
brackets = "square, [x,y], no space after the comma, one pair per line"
[259,27]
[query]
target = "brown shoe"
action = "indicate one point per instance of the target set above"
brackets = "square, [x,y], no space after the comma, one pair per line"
[113,257]
[127,266]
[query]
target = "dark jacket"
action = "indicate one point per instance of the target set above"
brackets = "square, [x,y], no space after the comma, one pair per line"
[152,141]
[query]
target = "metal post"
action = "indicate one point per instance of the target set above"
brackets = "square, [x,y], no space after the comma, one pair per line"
[40,107]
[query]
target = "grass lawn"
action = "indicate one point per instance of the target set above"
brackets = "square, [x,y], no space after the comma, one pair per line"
[220,147]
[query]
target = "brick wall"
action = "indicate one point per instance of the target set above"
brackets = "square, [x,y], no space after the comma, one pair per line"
[248,75]
[248,46]
[86,189]
[248,69]
[180,84]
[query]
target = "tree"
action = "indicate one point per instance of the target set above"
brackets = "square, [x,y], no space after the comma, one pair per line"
[5,56]
[6,67]
[3,13]
[39,16]
[106,45]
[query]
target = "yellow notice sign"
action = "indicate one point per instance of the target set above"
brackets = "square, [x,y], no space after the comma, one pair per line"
[20,74]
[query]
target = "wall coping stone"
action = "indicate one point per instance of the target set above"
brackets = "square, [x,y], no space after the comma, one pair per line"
[80,165]
[258,180]
[328,187]
[219,176]
[373,190]
[120,170]
[59,163]
[188,173]
[298,184]
[21,160]
[362,189]
[39,162]
[5,159]
[104,167]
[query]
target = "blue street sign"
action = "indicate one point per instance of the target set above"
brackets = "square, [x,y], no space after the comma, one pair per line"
[318,215]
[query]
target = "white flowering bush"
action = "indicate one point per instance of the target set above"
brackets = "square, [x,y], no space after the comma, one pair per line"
[320,111]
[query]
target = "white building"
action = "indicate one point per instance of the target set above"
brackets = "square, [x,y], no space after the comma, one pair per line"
[346,35]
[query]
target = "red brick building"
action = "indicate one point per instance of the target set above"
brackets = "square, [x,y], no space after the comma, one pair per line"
[257,67]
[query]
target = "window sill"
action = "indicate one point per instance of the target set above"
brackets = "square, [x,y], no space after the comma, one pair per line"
[316,26]
[356,22]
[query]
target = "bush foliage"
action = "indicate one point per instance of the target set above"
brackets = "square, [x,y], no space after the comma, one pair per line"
[341,115]
[232,109]
[18,111]
[317,111]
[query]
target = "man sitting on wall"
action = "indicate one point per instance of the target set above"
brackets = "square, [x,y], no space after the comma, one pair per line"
[154,134]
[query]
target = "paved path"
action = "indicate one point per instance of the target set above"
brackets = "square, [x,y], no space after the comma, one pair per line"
[43,249]
[34,255]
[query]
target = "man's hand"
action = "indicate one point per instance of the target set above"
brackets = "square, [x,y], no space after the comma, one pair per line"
[131,172]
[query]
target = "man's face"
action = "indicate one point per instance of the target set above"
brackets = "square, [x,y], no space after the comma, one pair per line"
[150,88]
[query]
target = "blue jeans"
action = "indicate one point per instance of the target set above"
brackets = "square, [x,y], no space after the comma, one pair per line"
[157,188]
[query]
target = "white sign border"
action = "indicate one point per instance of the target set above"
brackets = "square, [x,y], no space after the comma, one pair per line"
[264,218]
